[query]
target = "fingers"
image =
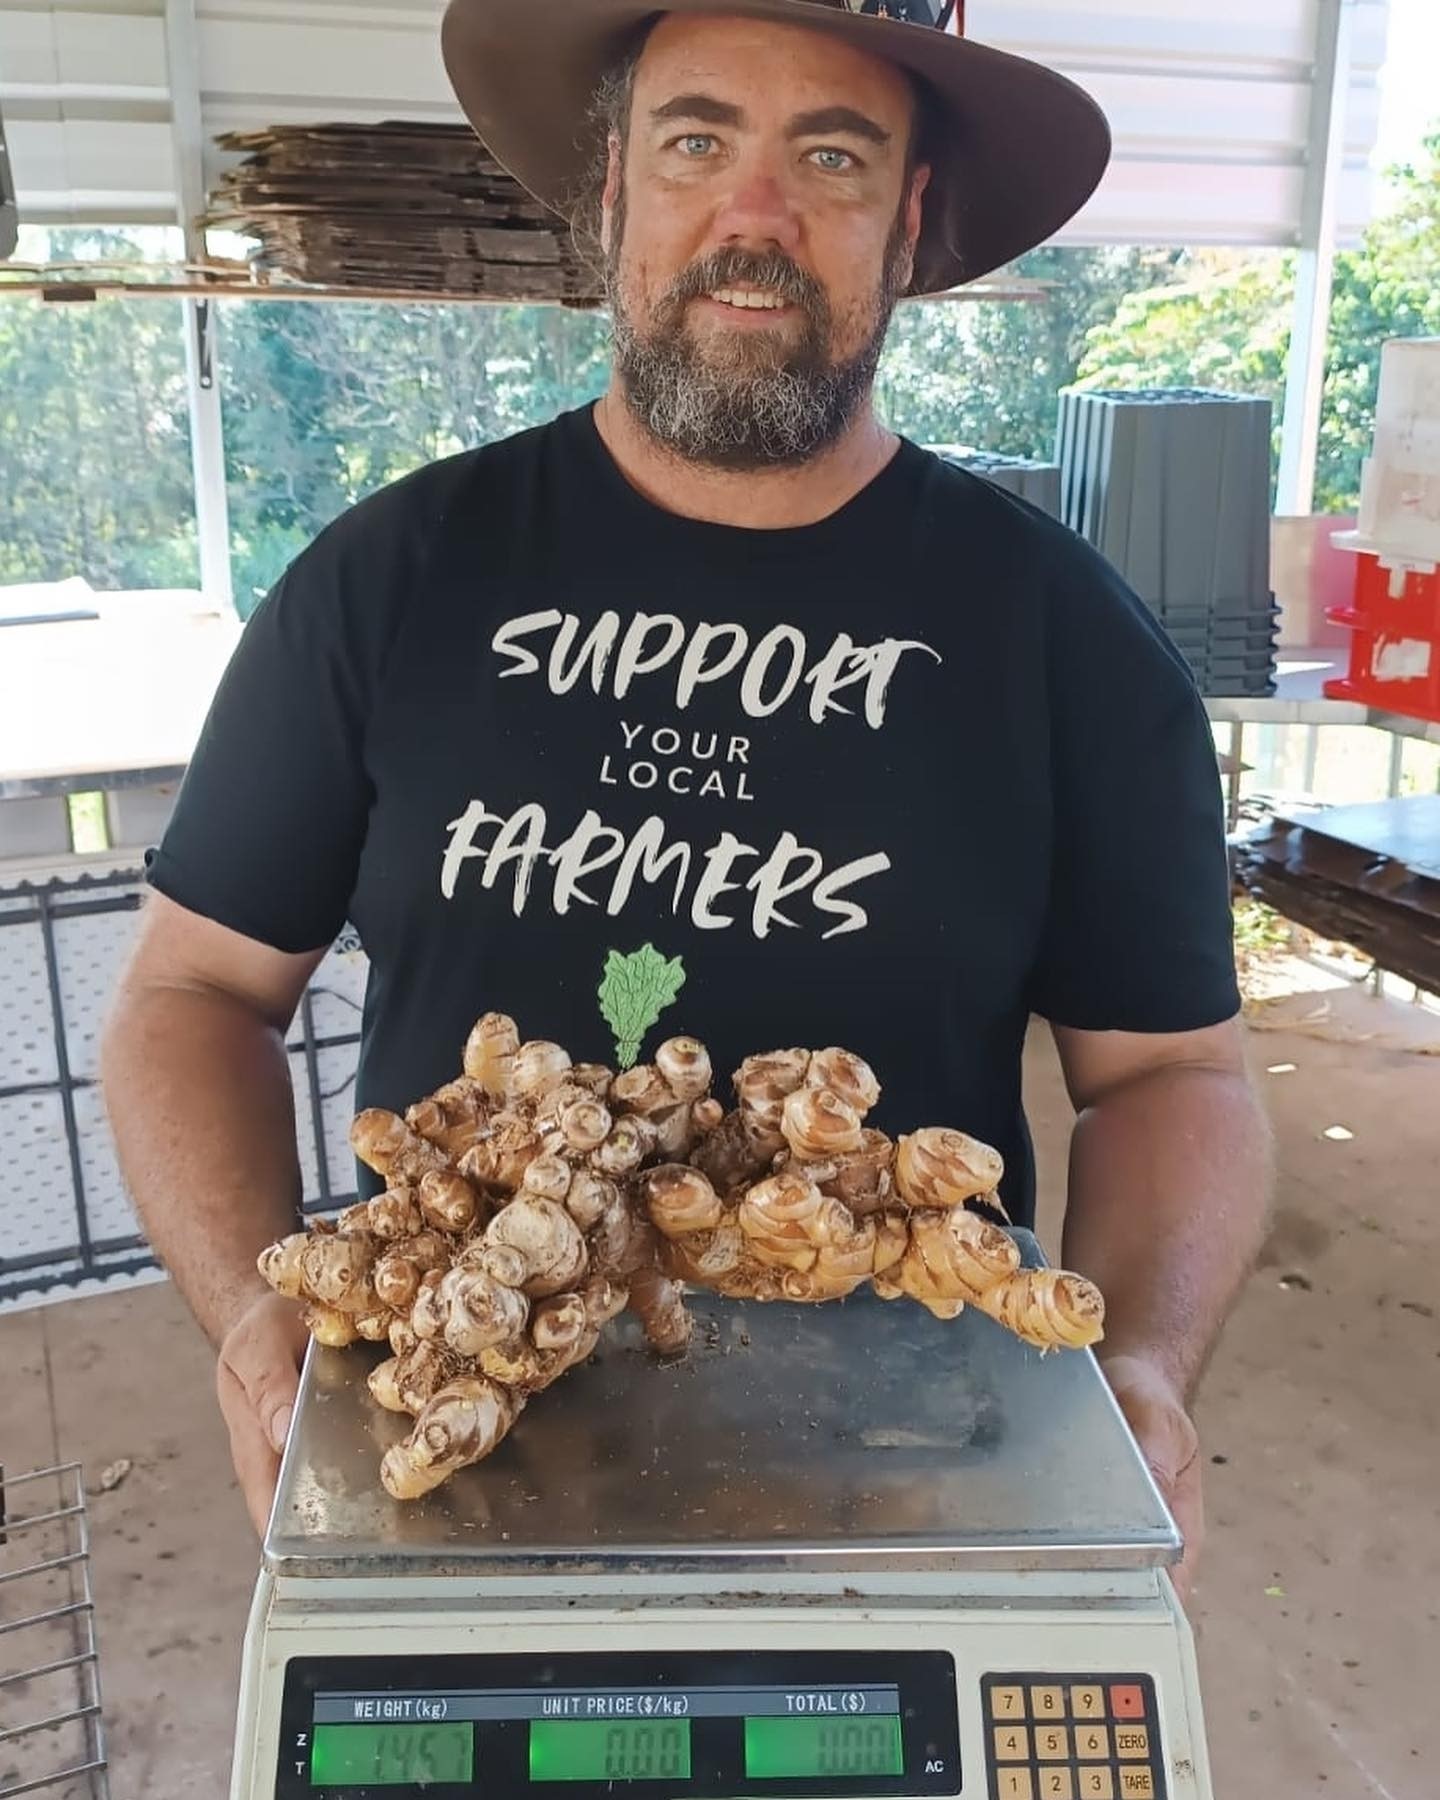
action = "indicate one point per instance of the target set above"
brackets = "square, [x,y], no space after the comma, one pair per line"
[257,1466]
[1187,1502]
[256,1380]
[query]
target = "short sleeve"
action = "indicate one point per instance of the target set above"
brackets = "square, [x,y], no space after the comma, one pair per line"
[271,817]
[1139,931]
[267,829]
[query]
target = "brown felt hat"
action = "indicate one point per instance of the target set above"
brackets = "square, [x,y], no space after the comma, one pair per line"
[1017,150]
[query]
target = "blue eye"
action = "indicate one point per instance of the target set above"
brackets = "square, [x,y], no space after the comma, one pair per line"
[696,143]
[834,162]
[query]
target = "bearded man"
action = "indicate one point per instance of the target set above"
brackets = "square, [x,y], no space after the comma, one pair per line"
[870,752]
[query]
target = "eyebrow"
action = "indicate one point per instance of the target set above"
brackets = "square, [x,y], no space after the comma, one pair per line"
[838,120]
[826,120]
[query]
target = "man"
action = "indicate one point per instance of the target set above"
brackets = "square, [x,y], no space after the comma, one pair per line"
[870,753]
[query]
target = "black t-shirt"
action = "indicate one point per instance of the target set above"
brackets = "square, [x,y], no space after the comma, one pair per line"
[895,780]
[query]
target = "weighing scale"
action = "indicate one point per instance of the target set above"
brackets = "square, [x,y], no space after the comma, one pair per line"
[847,1550]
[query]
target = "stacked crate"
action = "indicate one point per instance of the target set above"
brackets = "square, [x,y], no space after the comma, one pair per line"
[1395,617]
[1037,482]
[1172,485]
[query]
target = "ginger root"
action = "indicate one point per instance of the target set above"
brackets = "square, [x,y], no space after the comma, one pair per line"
[531,1199]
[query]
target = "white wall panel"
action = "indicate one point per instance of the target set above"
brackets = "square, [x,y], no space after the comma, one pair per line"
[1209,99]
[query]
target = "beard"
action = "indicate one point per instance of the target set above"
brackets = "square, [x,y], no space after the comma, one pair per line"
[747,399]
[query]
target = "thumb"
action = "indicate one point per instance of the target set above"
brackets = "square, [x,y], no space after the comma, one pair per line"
[277,1427]
[271,1383]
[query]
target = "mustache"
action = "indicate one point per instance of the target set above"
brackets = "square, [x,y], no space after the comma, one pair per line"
[733,267]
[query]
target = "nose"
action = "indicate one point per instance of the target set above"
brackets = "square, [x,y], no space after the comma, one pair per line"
[757,212]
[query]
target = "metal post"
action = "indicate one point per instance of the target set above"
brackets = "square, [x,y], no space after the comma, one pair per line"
[1315,264]
[207,440]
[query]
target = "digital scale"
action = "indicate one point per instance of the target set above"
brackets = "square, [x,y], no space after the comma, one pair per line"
[845,1550]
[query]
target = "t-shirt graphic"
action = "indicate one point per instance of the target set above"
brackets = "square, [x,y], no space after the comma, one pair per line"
[894,780]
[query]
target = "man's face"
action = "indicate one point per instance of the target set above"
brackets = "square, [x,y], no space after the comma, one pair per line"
[758,227]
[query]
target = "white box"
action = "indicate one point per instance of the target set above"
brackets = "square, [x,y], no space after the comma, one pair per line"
[1400,482]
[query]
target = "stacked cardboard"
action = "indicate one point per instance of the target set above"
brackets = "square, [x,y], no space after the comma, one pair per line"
[405,208]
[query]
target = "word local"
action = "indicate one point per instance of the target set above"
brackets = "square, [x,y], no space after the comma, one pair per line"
[682,777]
[769,672]
[697,880]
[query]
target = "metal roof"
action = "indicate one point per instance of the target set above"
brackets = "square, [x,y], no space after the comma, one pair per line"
[1213,101]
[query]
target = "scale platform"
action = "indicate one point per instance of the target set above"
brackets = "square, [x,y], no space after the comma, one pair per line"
[853,1506]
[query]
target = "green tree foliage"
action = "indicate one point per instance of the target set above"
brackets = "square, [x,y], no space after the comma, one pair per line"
[94,445]
[1225,322]
[986,373]
[326,402]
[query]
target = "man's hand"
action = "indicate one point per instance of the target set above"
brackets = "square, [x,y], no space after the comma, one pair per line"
[257,1380]
[1171,1446]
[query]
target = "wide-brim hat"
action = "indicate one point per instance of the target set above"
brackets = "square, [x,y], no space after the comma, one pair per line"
[1018,148]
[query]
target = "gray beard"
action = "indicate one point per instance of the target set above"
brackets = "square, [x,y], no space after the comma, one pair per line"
[763,406]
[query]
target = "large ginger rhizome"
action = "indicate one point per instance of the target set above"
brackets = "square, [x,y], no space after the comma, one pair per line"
[530,1201]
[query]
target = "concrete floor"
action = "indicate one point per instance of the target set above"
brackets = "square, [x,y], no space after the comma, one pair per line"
[1318,1599]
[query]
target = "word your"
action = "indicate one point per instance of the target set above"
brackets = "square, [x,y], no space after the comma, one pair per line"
[769,672]
[700,880]
[682,777]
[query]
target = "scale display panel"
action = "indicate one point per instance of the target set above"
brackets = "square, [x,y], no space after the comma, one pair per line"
[715,1725]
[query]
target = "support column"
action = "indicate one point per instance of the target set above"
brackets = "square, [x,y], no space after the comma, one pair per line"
[1315,265]
[207,437]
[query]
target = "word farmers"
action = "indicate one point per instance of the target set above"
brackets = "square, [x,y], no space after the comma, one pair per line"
[596,865]
[769,671]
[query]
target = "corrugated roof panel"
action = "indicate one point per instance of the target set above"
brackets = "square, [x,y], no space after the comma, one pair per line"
[1209,99]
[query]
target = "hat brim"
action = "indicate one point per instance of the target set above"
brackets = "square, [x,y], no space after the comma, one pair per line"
[1024,148]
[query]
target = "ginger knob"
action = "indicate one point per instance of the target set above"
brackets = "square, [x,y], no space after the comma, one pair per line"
[937,1167]
[588,1197]
[559,1324]
[336,1270]
[685,1064]
[548,1177]
[763,1083]
[385,1143]
[490,1053]
[538,1067]
[464,1422]
[955,1255]
[781,1217]
[395,1214]
[680,1200]
[547,1237]
[480,1311]
[630,1141]
[330,1327]
[1049,1308]
[585,1124]
[816,1122]
[447,1201]
[280,1265]
[845,1074]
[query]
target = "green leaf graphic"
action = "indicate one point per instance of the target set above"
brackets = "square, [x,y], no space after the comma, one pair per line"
[636,990]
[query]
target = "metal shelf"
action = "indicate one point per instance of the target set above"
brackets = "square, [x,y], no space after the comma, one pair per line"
[1300,699]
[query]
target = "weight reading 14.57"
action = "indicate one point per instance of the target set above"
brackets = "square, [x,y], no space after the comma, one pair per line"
[392,1755]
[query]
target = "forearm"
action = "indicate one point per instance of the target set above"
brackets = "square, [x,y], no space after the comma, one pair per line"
[198,1091]
[1170,1177]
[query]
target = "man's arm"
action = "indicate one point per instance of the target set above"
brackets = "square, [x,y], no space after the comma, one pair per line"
[199,1097]
[1170,1179]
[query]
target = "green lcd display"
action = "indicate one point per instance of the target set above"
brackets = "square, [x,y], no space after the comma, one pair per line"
[812,1747]
[609,1749]
[391,1755]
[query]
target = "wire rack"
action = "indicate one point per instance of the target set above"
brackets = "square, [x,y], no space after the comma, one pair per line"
[52,1734]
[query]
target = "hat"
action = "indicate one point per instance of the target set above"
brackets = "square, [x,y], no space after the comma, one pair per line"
[1018,150]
